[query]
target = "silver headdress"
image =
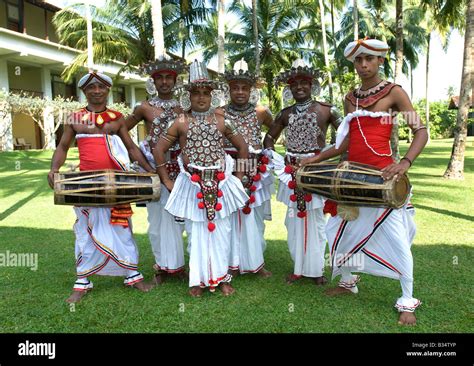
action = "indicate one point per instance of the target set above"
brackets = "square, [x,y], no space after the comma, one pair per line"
[163,63]
[240,72]
[199,77]
[298,68]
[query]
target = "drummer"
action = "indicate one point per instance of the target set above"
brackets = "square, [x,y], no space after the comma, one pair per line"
[306,123]
[104,241]
[381,237]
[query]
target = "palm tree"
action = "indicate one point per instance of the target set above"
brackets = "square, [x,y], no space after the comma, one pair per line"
[355,14]
[157,22]
[281,35]
[184,17]
[220,36]
[325,48]
[455,169]
[123,30]
[398,70]
[444,31]
[255,34]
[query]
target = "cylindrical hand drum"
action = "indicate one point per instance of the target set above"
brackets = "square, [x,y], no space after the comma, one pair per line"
[105,188]
[353,184]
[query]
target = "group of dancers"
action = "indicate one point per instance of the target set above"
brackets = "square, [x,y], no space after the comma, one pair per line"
[218,177]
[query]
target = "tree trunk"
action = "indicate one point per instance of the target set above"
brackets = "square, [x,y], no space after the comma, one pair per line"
[455,168]
[325,48]
[427,107]
[269,82]
[220,37]
[355,15]
[398,71]
[90,45]
[255,35]
[409,137]
[157,22]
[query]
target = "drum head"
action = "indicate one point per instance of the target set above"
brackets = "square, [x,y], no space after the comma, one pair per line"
[401,191]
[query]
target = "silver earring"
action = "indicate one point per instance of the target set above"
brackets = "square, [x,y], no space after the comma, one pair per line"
[215,98]
[150,86]
[287,95]
[185,101]
[254,96]
[315,88]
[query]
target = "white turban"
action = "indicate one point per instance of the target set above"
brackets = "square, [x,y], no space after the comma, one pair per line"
[94,77]
[368,46]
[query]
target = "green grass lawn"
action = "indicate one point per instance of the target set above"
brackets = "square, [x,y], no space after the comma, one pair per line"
[33,301]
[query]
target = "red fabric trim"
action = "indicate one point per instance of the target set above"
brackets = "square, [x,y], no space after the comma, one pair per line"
[256,270]
[170,271]
[330,207]
[295,78]
[371,99]
[169,72]
[133,282]
[383,261]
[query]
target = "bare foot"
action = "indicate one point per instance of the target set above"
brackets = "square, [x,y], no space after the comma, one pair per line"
[159,278]
[195,291]
[76,296]
[233,272]
[264,273]
[142,286]
[226,288]
[182,275]
[336,291]
[291,278]
[320,281]
[407,318]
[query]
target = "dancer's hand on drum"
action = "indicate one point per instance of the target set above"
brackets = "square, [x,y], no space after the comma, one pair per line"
[51,179]
[306,161]
[395,170]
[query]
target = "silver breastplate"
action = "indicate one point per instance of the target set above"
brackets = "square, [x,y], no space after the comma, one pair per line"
[164,119]
[303,130]
[247,125]
[204,140]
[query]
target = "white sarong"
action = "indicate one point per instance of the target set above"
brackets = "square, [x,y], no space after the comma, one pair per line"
[378,242]
[164,233]
[306,236]
[247,232]
[209,251]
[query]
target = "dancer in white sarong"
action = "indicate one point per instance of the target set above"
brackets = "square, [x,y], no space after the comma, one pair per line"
[165,231]
[248,226]
[306,124]
[378,240]
[206,192]
[104,241]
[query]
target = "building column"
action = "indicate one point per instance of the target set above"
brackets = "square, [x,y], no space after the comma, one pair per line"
[6,142]
[111,97]
[131,96]
[48,116]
